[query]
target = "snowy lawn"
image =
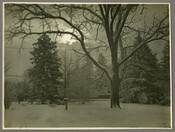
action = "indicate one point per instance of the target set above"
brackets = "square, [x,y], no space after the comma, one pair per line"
[94,114]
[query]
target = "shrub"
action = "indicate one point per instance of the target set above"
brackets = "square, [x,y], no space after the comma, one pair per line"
[165,101]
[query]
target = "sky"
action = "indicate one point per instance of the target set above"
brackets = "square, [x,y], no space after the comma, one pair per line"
[20,61]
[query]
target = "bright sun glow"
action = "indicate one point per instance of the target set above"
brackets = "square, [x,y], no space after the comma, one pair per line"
[67,39]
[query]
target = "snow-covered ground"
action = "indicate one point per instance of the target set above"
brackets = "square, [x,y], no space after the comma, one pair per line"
[94,114]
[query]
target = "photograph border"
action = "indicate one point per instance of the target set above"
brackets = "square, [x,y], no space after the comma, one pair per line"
[172,63]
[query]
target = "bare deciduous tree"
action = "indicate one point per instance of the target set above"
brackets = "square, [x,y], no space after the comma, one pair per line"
[66,68]
[79,20]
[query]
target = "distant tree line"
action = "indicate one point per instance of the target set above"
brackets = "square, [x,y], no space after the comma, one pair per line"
[144,79]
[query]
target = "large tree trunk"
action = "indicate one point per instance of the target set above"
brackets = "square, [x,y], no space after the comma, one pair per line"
[115,85]
[115,99]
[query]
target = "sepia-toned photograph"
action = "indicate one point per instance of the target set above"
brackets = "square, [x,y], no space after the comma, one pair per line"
[86,66]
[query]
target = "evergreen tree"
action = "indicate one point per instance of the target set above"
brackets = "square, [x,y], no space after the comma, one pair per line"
[165,76]
[165,63]
[45,74]
[139,83]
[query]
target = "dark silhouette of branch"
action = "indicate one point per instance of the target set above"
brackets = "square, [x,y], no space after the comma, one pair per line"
[161,32]
[112,18]
[89,10]
[138,47]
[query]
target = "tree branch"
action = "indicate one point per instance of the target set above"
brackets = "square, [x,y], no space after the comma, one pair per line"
[137,48]
[98,77]
[82,8]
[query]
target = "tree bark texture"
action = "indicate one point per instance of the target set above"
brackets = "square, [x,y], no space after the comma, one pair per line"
[115,87]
